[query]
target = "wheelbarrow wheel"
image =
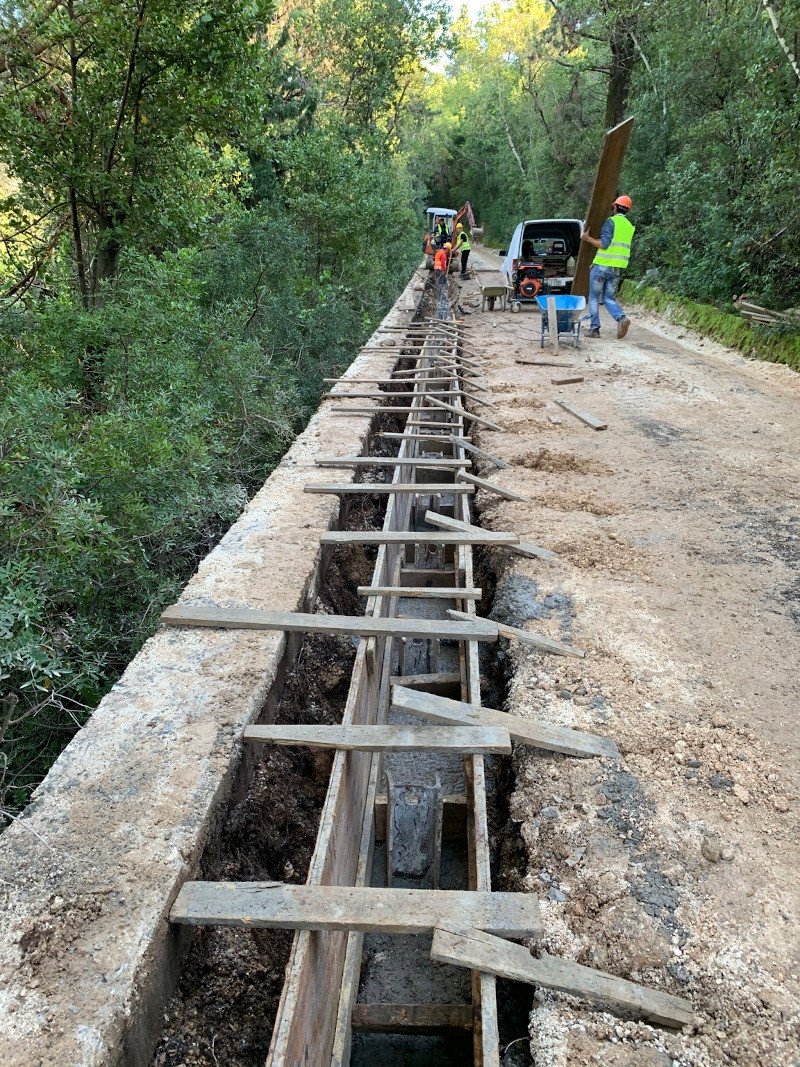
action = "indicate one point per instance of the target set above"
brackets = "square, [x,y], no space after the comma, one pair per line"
[515,306]
[490,302]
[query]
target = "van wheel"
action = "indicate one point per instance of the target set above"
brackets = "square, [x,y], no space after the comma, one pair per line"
[515,306]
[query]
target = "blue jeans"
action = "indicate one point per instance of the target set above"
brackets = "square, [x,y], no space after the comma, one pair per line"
[603,283]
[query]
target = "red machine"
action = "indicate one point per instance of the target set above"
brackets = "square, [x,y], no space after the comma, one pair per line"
[528,284]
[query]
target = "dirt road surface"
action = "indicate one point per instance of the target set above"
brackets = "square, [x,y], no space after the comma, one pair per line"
[678,536]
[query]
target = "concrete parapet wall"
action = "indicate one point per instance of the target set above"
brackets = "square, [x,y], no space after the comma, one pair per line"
[89,871]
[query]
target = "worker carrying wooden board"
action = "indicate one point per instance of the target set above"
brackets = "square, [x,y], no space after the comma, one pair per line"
[614,252]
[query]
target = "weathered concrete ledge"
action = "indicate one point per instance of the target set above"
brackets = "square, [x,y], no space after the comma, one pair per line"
[89,871]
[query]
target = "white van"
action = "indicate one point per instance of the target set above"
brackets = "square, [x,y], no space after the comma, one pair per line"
[553,243]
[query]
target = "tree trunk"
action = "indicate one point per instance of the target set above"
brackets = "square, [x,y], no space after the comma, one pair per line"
[106,260]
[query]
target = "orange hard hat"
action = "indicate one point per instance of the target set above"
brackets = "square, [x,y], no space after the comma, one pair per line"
[623,201]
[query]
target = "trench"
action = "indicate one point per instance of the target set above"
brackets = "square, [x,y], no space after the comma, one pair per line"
[230,984]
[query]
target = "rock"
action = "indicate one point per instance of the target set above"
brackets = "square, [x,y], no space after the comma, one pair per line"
[727,854]
[719,721]
[780,803]
[741,793]
[711,849]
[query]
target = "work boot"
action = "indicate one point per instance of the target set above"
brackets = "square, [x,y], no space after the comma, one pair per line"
[622,327]
[593,332]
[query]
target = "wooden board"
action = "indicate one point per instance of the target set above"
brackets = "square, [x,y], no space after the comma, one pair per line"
[525,731]
[384,488]
[545,644]
[415,537]
[385,738]
[434,592]
[446,522]
[443,683]
[472,948]
[483,483]
[552,323]
[568,379]
[411,1018]
[391,461]
[544,363]
[605,189]
[296,621]
[521,548]
[393,381]
[584,416]
[428,438]
[330,907]
[409,395]
[475,451]
[478,419]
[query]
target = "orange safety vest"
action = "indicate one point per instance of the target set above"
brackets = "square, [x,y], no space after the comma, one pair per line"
[440,260]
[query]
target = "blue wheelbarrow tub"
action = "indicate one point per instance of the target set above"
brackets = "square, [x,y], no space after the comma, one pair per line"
[568,310]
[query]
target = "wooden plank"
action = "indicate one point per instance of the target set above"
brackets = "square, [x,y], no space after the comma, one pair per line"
[276,905]
[552,323]
[407,395]
[391,461]
[434,592]
[415,537]
[521,548]
[447,522]
[545,644]
[384,409]
[411,1018]
[524,731]
[393,381]
[384,488]
[301,622]
[475,451]
[584,416]
[478,419]
[483,483]
[544,362]
[428,438]
[472,948]
[384,738]
[442,683]
[568,379]
[605,190]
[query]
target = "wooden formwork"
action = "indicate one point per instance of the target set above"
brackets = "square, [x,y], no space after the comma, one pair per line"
[314,1024]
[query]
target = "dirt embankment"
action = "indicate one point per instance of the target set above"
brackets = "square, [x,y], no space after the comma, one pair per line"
[678,534]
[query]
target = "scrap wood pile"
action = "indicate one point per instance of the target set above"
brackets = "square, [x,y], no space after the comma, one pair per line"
[756,313]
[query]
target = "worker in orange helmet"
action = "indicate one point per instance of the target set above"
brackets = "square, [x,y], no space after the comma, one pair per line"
[614,252]
[441,264]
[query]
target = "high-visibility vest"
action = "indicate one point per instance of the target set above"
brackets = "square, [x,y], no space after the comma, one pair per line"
[619,251]
[463,242]
[440,259]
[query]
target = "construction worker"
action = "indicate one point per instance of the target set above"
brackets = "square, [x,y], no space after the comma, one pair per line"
[441,264]
[614,251]
[464,246]
[440,232]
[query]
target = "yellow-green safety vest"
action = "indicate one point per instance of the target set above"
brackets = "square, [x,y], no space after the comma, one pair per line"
[463,243]
[619,251]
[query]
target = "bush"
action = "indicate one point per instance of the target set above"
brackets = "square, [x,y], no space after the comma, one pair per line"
[775,344]
[132,435]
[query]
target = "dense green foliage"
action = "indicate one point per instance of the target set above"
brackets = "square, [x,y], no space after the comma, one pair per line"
[205,214]
[516,123]
[205,208]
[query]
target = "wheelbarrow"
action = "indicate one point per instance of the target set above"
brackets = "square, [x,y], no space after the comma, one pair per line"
[569,315]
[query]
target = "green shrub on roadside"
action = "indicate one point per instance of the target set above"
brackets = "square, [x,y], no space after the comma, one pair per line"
[775,344]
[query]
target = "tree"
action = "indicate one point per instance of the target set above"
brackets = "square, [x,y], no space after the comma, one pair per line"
[113,114]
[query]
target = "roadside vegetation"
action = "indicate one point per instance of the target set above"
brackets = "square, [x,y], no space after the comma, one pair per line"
[204,212]
[205,209]
[516,122]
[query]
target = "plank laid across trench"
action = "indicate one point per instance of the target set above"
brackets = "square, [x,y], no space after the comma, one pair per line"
[277,905]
